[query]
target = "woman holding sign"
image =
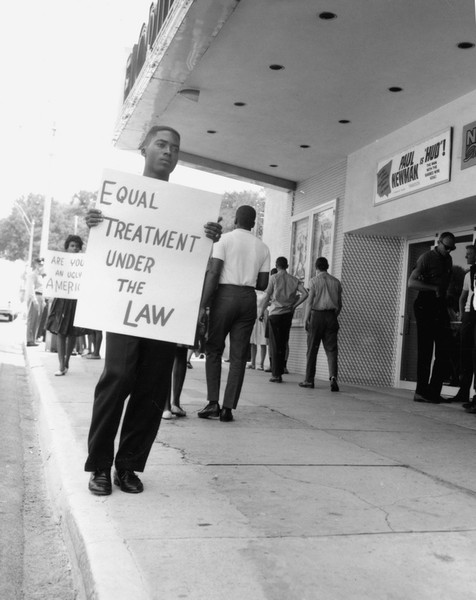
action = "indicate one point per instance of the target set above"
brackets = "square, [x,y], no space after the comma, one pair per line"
[61,317]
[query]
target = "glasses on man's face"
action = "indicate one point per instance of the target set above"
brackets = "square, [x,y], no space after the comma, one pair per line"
[446,247]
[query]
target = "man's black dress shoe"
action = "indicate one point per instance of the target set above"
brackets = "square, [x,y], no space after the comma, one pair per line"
[428,399]
[334,386]
[226,414]
[128,481]
[306,384]
[100,483]
[210,411]
[278,379]
[444,400]
[460,398]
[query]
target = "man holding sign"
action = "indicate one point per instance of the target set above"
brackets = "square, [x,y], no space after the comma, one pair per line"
[137,367]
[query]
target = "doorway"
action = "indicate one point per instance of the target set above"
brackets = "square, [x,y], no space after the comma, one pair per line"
[408,363]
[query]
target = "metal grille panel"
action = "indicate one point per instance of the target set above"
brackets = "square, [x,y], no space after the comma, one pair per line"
[371,280]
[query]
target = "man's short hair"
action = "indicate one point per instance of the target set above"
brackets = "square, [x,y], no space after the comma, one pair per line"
[246,216]
[153,131]
[447,234]
[322,264]
[39,261]
[273,271]
[471,247]
[282,262]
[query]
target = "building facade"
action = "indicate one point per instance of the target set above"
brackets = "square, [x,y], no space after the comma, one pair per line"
[360,124]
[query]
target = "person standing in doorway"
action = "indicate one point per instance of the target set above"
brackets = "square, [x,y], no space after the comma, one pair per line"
[135,367]
[431,278]
[239,265]
[285,293]
[320,319]
[466,315]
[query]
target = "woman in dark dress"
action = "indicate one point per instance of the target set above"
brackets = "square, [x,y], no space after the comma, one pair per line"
[61,317]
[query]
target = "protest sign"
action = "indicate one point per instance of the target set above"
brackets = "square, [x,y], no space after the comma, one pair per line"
[64,272]
[145,263]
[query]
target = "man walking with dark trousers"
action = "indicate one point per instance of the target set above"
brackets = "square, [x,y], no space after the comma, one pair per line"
[240,264]
[286,293]
[431,277]
[322,309]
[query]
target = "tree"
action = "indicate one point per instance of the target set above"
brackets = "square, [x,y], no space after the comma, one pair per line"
[68,219]
[64,220]
[232,200]
[15,229]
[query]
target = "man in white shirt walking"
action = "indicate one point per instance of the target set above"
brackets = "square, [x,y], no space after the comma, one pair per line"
[240,264]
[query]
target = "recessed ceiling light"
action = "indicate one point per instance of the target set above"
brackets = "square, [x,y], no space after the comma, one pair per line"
[304,146]
[211,131]
[344,121]
[276,67]
[239,103]
[395,88]
[273,166]
[327,16]
[465,45]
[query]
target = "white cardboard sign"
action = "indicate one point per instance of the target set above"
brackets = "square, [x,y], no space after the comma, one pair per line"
[64,271]
[145,263]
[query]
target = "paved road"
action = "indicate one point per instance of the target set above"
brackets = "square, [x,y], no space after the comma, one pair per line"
[33,560]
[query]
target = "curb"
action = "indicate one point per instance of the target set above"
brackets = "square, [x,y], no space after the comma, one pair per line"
[103,567]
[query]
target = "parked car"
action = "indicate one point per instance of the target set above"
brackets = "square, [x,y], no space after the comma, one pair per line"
[10,280]
[9,309]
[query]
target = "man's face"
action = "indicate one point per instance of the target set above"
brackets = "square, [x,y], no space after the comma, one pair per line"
[161,155]
[445,246]
[470,256]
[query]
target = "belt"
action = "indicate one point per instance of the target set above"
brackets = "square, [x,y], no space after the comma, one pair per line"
[39,293]
[323,309]
[232,285]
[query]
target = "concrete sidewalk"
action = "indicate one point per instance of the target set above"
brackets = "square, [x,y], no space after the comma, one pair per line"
[307,495]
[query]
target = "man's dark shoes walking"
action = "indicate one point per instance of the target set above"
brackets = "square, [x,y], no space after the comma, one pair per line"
[277,379]
[210,411]
[306,384]
[100,483]
[226,415]
[334,386]
[128,481]
[461,397]
[428,399]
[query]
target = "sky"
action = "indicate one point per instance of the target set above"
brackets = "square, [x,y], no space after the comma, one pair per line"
[63,66]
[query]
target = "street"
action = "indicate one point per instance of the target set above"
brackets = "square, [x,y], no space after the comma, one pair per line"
[34,562]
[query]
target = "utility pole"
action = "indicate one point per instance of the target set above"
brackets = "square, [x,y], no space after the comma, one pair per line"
[30,227]
[45,229]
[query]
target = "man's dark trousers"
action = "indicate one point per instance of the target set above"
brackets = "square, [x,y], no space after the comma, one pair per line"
[324,327]
[279,328]
[233,311]
[433,331]
[140,368]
